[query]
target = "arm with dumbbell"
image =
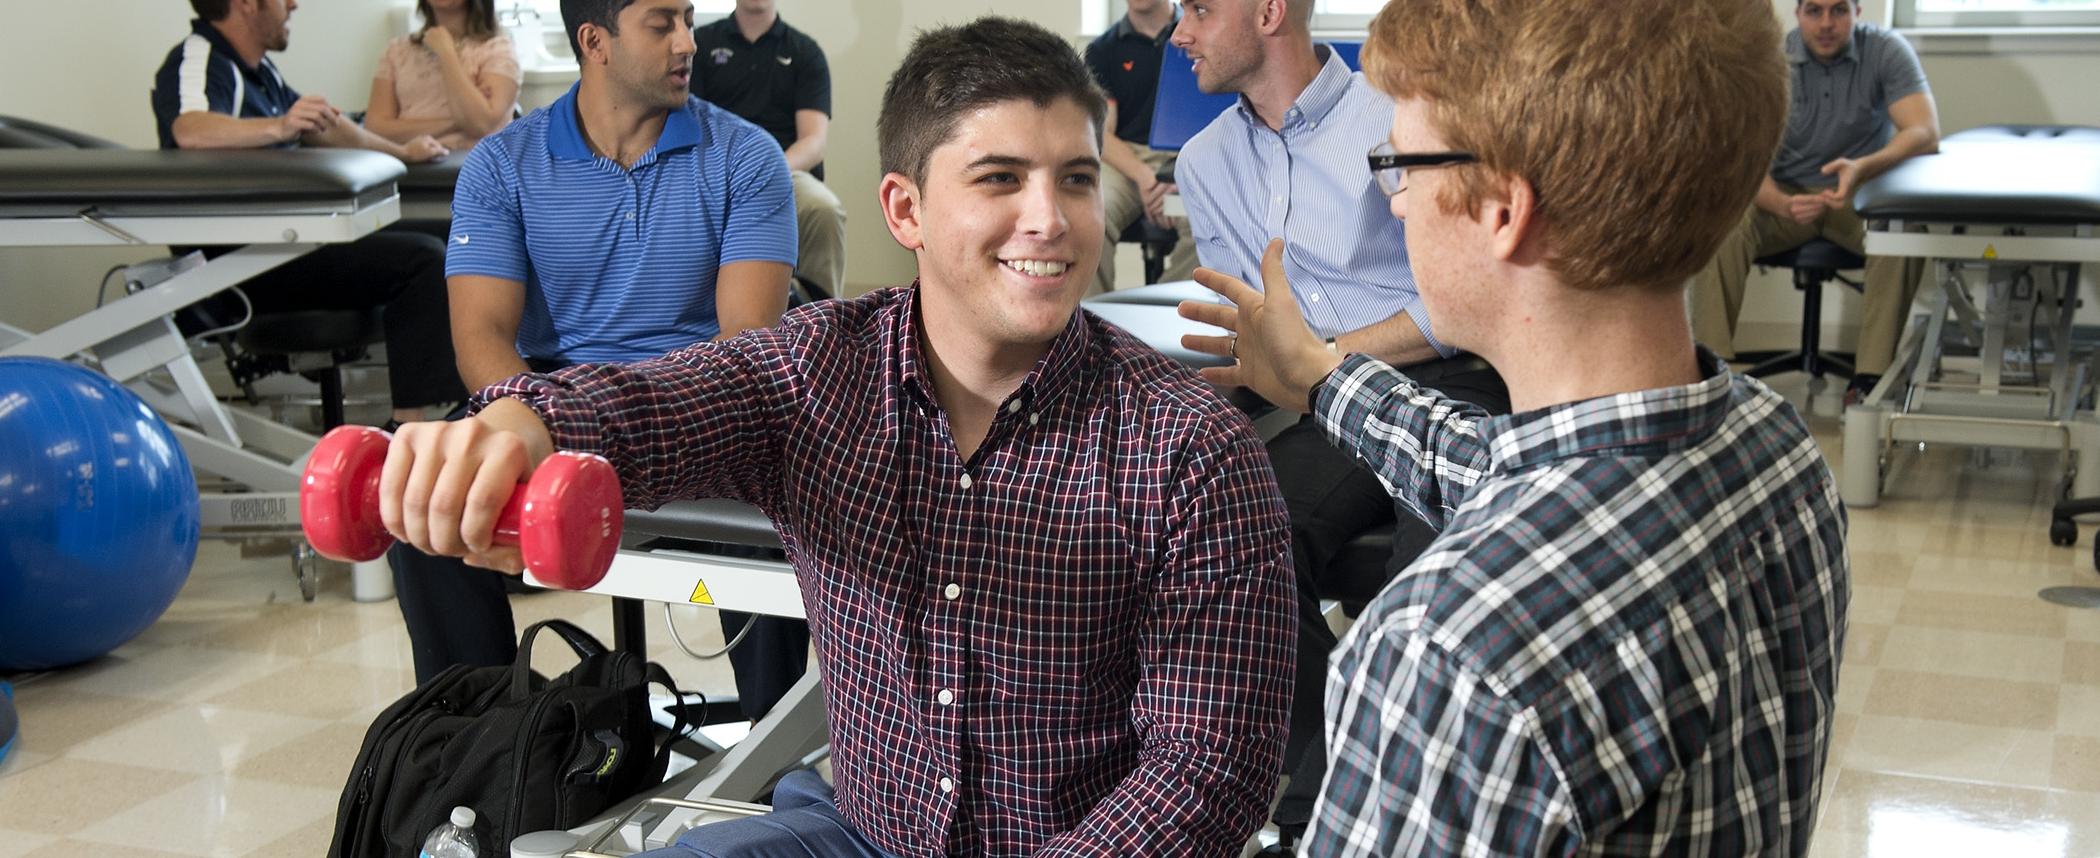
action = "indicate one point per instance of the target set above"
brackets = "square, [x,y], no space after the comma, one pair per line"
[690,424]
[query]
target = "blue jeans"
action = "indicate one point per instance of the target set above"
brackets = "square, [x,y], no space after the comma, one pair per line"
[805,823]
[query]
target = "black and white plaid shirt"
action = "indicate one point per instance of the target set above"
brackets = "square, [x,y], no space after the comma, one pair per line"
[1624,642]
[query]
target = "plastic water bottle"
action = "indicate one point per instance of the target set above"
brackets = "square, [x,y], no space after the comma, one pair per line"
[454,839]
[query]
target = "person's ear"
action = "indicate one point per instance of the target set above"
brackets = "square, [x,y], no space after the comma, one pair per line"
[1512,220]
[593,40]
[901,209]
[1269,15]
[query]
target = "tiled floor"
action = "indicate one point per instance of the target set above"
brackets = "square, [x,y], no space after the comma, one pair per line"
[1969,709]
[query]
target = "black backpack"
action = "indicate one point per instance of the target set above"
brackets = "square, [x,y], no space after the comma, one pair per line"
[525,752]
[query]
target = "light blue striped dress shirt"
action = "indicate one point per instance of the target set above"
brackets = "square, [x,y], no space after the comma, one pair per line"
[619,263]
[1309,184]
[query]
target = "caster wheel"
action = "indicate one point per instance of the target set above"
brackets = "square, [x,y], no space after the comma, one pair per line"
[2096,555]
[306,567]
[2063,532]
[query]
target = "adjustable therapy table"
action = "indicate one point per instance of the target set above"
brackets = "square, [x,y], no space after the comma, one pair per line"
[2016,205]
[277,205]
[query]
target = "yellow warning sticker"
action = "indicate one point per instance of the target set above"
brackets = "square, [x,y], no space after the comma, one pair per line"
[700,594]
[1990,251]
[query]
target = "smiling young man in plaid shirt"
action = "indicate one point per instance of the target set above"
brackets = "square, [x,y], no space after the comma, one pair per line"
[1625,640]
[1046,569]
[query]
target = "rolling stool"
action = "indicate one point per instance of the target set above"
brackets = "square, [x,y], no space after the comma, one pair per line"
[1154,241]
[313,343]
[1814,264]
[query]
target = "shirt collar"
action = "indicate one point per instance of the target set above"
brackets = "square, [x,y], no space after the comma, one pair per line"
[1125,30]
[565,130]
[1055,373]
[219,44]
[1319,97]
[1665,420]
[1797,48]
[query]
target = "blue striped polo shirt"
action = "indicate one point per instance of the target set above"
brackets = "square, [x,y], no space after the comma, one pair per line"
[619,263]
[1310,185]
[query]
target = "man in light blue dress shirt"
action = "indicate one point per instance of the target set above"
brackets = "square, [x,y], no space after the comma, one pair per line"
[1288,161]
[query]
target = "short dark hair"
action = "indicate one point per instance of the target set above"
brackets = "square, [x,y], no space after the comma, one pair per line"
[604,13]
[953,70]
[212,10]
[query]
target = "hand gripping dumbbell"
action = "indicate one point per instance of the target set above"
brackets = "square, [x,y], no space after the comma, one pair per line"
[565,520]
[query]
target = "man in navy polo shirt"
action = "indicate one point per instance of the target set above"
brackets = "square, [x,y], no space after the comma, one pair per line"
[219,90]
[1125,62]
[625,220]
[756,66]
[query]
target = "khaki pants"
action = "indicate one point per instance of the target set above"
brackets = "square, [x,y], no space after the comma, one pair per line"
[1892,282]
[820,223]
[1122,206]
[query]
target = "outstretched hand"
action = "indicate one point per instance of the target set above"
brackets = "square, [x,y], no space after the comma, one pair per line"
[1274,352]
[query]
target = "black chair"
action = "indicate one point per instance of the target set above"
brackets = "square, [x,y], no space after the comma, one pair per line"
[313,343]
[1154,241]
[1814,264]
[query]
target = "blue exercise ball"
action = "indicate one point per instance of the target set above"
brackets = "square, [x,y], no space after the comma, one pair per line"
[98,514]
[9,724]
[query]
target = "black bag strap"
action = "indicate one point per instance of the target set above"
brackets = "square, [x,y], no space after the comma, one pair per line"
[579,641]
[679,725]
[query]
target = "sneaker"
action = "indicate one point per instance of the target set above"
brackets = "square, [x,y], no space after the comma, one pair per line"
[1862,384]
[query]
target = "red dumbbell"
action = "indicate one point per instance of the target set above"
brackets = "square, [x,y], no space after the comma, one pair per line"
[565,520]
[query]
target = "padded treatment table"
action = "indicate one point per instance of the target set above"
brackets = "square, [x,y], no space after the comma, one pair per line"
[1148,313]
[277,204]
[2017,204]
[426,190]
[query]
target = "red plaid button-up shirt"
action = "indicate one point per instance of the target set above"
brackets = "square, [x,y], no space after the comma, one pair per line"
[1077,642]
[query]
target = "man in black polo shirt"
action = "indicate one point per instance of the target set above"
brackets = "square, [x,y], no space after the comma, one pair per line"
[219,90]
[1125,61]
[754,65]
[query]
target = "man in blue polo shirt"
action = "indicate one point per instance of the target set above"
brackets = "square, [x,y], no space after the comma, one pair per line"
[217,89]
[625,220]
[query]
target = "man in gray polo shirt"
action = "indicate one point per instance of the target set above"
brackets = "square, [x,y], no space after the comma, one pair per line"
[1860,106]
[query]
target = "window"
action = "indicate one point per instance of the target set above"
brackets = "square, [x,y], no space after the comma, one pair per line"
[1997,13]
[1353,16]
[1330,17]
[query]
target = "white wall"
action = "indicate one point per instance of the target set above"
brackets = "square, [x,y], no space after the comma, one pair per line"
[88,64]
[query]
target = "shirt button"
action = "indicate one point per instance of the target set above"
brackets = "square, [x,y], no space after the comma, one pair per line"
[947,784]
[1013,407]
[946,697]
[1035,418]
[966,481]
[952,592]
[1314,298]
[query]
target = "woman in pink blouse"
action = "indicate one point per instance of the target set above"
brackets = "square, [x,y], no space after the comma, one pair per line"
[457,80]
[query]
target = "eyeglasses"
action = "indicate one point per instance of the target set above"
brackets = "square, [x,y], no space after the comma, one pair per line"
[1389,168]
